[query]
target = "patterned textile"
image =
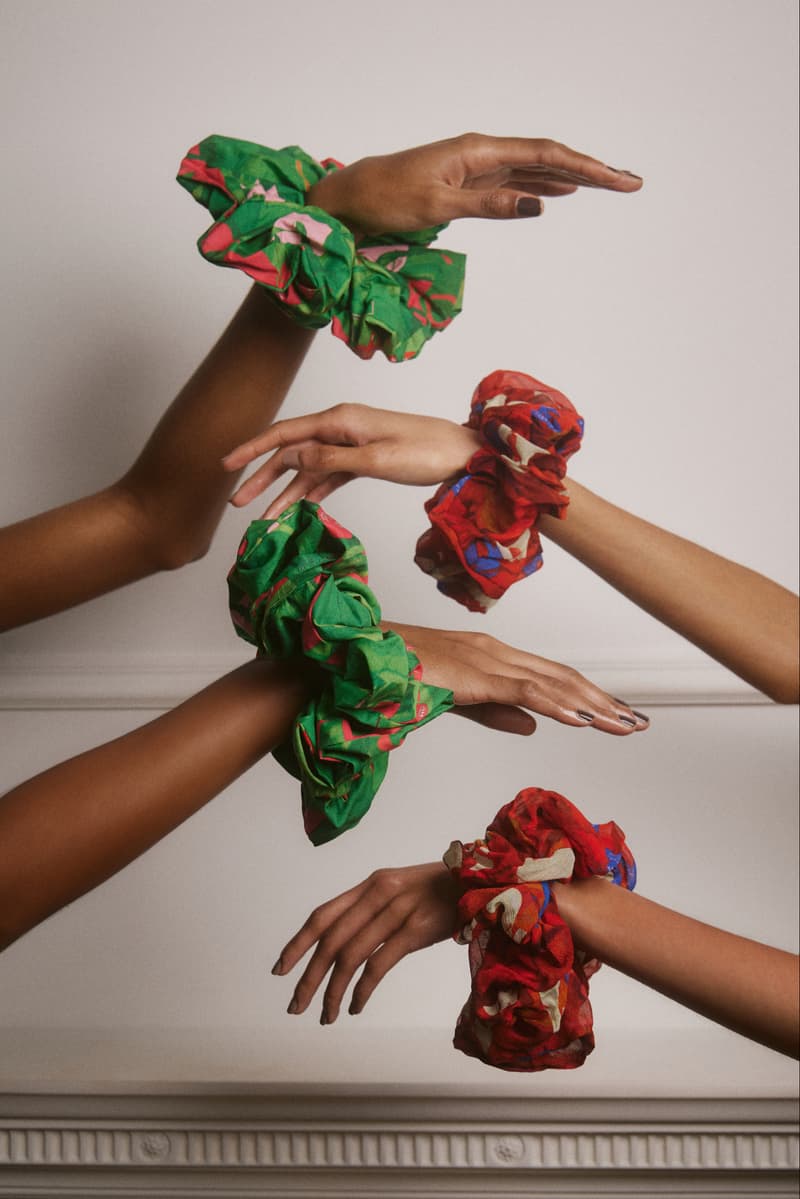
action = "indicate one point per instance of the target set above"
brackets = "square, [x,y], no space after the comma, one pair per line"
[529,1005]
[483,524]
[299,587]
[389,293]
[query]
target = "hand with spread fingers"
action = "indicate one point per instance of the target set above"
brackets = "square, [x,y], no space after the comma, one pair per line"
[492,683]
[473,175]
[327,449]
[391,914]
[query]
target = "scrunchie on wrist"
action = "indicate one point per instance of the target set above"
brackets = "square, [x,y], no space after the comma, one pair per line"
[483,532]
[529,1005]
[299,587]
[389,293]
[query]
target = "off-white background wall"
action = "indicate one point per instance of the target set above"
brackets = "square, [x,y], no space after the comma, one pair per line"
[670,319]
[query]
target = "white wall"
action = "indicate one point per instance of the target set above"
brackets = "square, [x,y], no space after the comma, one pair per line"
[669,317]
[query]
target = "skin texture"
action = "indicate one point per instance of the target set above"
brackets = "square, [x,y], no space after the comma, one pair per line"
[739,617]
[394,912]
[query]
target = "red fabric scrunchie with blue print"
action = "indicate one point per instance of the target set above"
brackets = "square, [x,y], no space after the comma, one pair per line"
[483,532]
[529,1004]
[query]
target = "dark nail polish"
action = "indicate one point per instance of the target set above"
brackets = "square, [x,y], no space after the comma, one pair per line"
[641,716]
[277,968]
[623,702]
[587,716]
[627,720]
[621,171]
[529,206]
[324,1019]
[353,1011]
[292,1008]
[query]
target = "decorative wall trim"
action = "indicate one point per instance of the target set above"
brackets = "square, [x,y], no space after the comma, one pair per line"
[355,1147]
[380,1145]
[114,683]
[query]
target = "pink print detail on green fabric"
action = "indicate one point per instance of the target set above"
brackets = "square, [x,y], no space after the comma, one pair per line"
[299,587]
[391,293]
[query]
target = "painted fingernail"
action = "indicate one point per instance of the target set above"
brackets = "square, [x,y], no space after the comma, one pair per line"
[641,716]
[587,716]
[277,968]
[354,1010]
[529,206]
[292,1008]
[621,171]
[626,720]
[624,702]
[325,1019]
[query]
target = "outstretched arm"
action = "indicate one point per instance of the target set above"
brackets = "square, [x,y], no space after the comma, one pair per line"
[73,826]
[164,511]
[739,617]
[397,911]
[744,620]
[68,829]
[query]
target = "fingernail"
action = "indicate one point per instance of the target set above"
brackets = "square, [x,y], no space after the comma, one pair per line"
[277,968]
[292,1008]
[621,171]
[526,206]
[325,1019]
[587,716]
[626,720]
[624,702]
[353,1010]
[641,716]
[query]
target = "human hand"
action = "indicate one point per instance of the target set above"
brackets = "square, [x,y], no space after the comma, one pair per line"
[492,684]
[391,914]
[329,448]
[468,176]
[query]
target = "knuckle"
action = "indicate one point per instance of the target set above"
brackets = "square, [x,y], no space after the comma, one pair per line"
[471,141]
[495,204]
[386,882]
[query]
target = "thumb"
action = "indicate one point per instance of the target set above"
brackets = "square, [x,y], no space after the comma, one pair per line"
[497,204]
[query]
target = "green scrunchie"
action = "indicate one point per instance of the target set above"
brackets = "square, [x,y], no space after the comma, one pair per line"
[390,293]
[299,586]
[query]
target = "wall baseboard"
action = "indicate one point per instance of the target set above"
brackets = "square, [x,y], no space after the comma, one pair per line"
[119,683]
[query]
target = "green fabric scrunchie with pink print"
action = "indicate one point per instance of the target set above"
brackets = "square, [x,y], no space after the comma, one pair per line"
[391,292]
[299,588]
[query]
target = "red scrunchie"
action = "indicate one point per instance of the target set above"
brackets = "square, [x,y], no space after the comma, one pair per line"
[483,525]
[529,1005]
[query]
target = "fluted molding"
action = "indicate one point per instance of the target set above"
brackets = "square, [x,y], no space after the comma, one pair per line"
[85,1144]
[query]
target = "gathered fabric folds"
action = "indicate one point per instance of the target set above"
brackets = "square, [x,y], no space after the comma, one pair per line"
[529,1005]
[483,534]
[391,293]
[299,588]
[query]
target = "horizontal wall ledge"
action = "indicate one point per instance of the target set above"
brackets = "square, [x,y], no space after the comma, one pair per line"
[96,682]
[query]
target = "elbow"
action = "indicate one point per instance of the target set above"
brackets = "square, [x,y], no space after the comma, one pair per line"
[164,543]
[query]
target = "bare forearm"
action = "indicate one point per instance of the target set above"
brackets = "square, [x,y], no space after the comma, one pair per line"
[163,513]
[70,828]
[742,984]
[744,620]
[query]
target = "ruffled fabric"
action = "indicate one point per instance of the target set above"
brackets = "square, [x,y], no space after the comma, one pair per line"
[529,1005]
[391,293]
[483,533]
[299,587]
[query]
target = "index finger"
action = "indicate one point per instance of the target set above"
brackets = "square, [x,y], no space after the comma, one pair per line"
[315,926]
[282,433]
[537,153]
